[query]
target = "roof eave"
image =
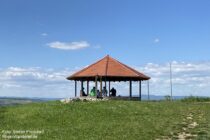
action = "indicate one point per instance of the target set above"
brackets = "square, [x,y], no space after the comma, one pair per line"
[118,77]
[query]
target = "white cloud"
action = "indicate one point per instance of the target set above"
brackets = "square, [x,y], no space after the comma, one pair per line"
[156,40]
[69,45]
[34,82]
[44,34]
[188,79]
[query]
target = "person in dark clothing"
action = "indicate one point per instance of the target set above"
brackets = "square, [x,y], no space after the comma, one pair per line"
[113,92]
[82,92]
[104,91]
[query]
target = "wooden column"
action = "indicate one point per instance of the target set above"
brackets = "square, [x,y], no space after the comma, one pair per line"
[87,87]
[130,89]
[81,85]
[100,86]
[96,86]
[105,84]
[109,88]
[75,88]
[81,88]
[140,90]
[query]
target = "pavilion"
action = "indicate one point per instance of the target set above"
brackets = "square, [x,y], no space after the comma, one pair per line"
[108,70]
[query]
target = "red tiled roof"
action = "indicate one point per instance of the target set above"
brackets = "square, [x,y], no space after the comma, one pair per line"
[110,69]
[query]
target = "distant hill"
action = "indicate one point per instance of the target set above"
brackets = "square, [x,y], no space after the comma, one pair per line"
[5,101]
[155,97]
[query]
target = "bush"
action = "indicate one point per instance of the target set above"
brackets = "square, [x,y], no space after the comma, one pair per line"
[167,98]
[196,99]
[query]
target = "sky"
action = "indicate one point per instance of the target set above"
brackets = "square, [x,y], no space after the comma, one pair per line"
[44,41]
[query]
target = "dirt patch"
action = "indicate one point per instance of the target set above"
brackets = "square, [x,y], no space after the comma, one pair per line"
[184,136]
[192,125]
[184,132]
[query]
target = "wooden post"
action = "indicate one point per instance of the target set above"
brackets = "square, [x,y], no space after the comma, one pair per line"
[75,88]
[105,85]
[87,87]
[109,88]
[81,88]
[96,86]
[81,85]
[130,90]
[140,90]
[100,86]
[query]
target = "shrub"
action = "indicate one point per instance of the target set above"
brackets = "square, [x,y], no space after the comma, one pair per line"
[196,99]
[167,98]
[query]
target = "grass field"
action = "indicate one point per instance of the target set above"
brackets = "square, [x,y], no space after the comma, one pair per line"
[122,120]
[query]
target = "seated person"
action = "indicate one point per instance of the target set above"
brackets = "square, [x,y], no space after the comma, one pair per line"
[104,91]
[82,92]
[113,91]
[98,93]
[93,92]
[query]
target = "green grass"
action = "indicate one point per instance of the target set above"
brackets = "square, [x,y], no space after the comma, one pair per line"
[106,120]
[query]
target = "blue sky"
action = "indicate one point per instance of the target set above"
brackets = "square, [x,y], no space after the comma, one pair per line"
[66,35]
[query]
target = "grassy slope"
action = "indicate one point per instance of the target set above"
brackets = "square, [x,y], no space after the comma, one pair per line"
[105,120]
